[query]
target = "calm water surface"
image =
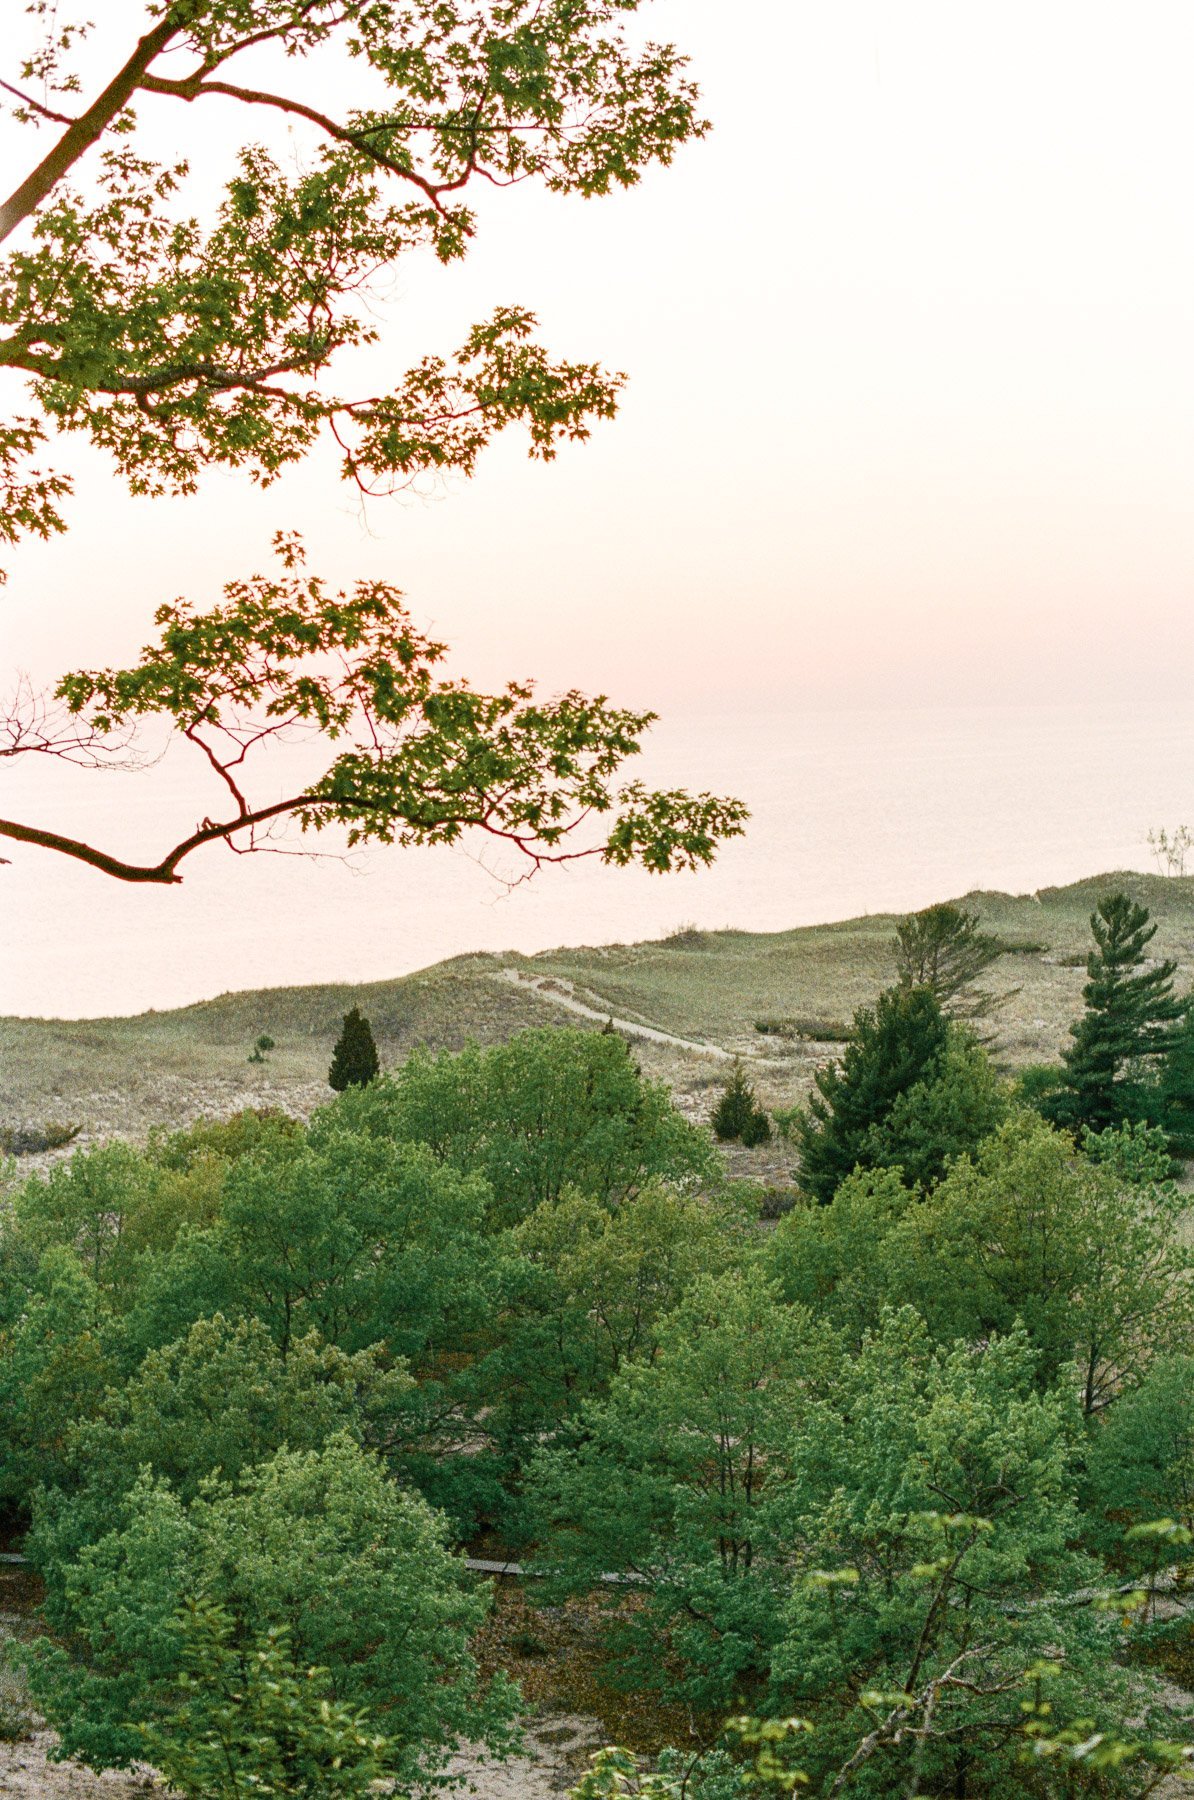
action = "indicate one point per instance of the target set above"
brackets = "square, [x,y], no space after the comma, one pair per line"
[853,812]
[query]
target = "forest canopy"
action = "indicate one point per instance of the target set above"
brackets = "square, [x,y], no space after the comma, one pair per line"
[889,1468]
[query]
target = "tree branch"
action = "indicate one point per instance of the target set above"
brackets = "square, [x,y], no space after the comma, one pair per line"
[47,112]
[87,128]
[164,872]
[193,88]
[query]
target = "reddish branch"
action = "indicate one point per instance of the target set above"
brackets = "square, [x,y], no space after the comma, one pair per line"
[165,873]
[194,87]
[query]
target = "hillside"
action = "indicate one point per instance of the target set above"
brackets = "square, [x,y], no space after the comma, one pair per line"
[125,1074]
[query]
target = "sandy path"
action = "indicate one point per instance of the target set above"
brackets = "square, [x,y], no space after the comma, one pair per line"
[560,993]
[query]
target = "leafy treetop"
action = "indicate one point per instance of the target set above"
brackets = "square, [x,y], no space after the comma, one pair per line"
[175,343]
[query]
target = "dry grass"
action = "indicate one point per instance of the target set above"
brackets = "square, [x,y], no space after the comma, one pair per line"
[125,1074]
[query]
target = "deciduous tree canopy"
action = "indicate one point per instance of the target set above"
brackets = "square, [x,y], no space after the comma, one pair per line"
[175,342]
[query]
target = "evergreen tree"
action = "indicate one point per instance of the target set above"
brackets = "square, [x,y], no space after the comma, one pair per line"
[943,949]
[1176,1086]
[757,1130]
[891,1048]
[738,1115]
[354,1060]
[1129,1019]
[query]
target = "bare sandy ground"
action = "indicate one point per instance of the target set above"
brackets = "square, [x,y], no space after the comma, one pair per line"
[27,1774]
[558,1747]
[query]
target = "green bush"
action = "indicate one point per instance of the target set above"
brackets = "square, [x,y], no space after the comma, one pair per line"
[776,1202]
[738,1117]
[1035,1084]
[32,1140]
[756,1130]
[247,1719]
[817,1030]
[352,1574]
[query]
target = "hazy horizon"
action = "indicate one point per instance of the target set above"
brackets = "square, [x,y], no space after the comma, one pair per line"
[874,811]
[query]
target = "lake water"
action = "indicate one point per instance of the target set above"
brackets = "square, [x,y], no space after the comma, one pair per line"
[853,812]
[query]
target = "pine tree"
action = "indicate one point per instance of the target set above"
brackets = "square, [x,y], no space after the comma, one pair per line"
[1175,1087]
[354,1060]
[735,1107]
[738,1114]
[1129,1021]
[943,949]
[890,1049]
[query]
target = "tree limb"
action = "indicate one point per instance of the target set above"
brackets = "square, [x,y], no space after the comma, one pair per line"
[84,131]
[47,112]
[193,88]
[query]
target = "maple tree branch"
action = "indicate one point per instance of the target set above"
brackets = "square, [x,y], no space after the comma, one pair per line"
[165,872]
[193,88]
[47,112]
[86,130]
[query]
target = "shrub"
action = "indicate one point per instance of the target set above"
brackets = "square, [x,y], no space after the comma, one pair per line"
[253,1721]
[738,1115]
[17,1717]
[1037,1083]
[353,1576]
[775,1202]
[354,1060]
[756,1130]
[261,1048]
[31,1140]
[818,1030]
[254,1131]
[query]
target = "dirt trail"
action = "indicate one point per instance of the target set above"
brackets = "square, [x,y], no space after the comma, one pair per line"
[559,992]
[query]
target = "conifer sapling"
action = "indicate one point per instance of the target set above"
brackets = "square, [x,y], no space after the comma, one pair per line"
[354,1060]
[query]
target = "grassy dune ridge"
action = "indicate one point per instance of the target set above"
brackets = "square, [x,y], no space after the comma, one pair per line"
[124,1074]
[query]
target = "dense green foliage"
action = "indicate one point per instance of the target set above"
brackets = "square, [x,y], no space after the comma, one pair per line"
[1175,1086]
[355,1061]
[870,1469]
[548,1111]
[244,1718]
[320,1543]
[911,1089]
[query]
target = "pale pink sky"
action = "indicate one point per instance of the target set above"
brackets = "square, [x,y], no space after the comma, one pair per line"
[911,406]
[910,425]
